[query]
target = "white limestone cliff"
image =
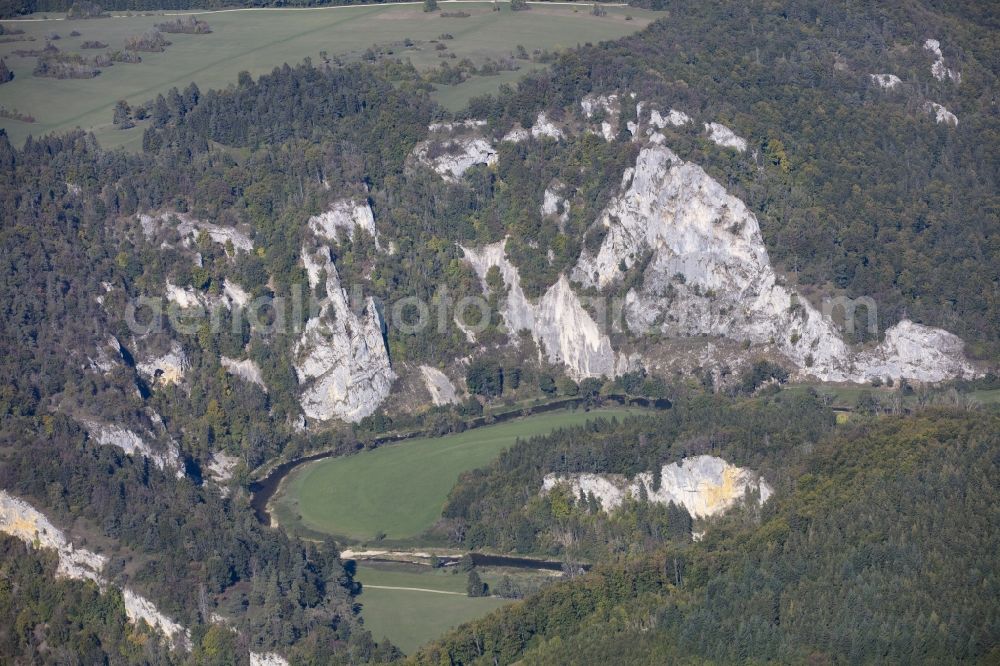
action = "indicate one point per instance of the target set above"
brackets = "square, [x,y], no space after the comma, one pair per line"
[709,274]
[452,149]
[545,128]
[725,137]
[267,659]
[611,108]
[245,369]
[134,445]
[886,81]
[555,204]
[941,114]
[439,386]
[704,485]
[564,331]
[21,520]
[166,369]
[190,227]
[938,69]
[345,215]
[341,359]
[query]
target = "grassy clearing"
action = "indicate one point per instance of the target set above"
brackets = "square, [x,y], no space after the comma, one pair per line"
[259,40]
[411,618]
[399,490]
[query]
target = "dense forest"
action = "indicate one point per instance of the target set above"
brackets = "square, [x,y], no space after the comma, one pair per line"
[858,192]
[881,551]
[499,507]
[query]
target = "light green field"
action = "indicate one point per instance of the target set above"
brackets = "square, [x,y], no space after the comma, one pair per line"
[410,618]
[400,489]
[257,40]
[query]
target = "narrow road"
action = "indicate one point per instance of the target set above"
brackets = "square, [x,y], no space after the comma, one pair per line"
[410,589]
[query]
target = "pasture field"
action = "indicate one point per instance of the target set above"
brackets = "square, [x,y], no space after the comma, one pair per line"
[412,617]
[257,40]
[399,490]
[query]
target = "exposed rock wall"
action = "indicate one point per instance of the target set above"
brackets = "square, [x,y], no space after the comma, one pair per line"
[559,324]
[341,358]
[941,114]
[886,81]
[166,369]
[725,137]
[345,216]
[21,520]
[245,369]
[452,149]
[704,485]
[132,444]
[439,386]
[709,274]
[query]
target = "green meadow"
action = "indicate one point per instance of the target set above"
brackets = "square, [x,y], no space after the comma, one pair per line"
[434,602]
[399,490]
[257,40]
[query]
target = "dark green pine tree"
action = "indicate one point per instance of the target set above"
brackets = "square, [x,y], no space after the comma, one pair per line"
[5,73]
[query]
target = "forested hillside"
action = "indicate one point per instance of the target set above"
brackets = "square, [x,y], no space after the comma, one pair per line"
[882,550]
[878,543]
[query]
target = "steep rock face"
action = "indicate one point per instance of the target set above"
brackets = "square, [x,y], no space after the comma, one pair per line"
[23,521]
[938,69]
[245,369]
[139,608]
[189,228]
[611,108]
[704,485]
[562,328]
[725,137]
[544,127]
[555,204]
[132,444]
[267,659]
[452,149]
[941,114]
[916,351]
[166,369]
[886,81]
[439,386]
[344,215]
[708,273]
[341,357]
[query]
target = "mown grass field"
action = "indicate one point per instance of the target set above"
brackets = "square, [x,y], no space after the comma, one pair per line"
[259,40]
[399,490]
[410,618]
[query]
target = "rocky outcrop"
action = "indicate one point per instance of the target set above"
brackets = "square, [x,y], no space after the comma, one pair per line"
[245,369]
[886,81]
[439,386]
[134,445]
[267,659]
[220,469]
[941,114]
[345,215]
[166,369]
[938,69]
[673,118]
[564,331]
[704,485]
[452,149]
[545,128]
[190,227]
[555,204]
[912,350]
[725,137]
[708,273]
[21,520]
[139,609]
[341,359]
[608,106]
